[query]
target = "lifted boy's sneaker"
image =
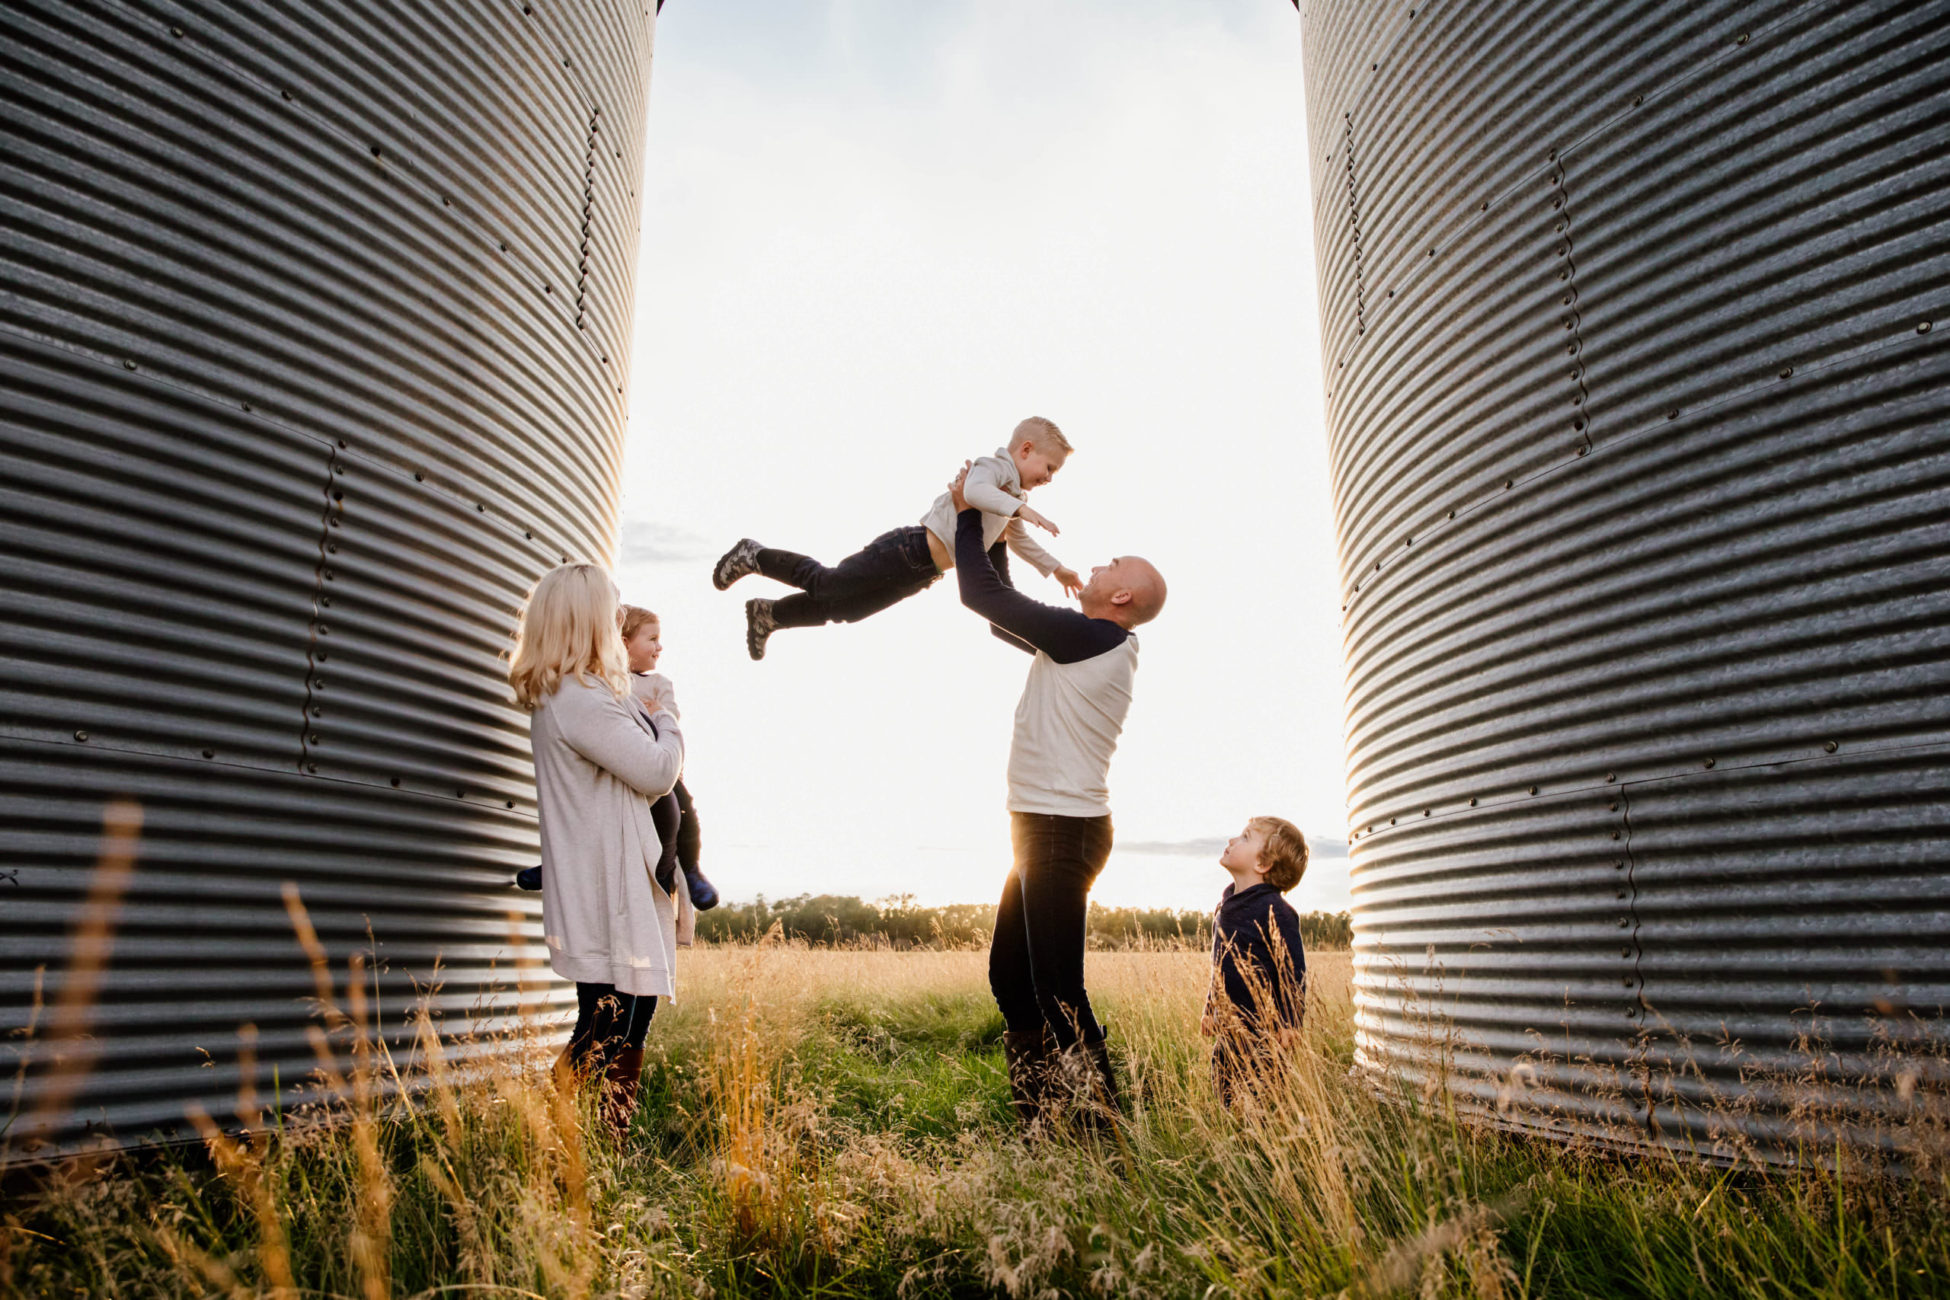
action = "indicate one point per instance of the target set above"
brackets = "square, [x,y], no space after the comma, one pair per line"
[528,878]
[735,563]
[759,624]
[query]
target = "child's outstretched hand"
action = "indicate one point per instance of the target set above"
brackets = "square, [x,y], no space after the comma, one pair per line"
[1069,580]
[956,484]
[1029,516]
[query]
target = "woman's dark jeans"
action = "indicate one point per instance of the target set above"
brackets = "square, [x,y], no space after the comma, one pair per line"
[1036,957]
[887,570]
[607,1022]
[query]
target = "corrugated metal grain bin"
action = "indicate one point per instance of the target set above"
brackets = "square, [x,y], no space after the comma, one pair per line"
[313,322]
[1634,319]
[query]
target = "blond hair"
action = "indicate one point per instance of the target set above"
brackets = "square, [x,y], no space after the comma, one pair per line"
[1043,433]
[634,617]
[568,627]
[1285,854]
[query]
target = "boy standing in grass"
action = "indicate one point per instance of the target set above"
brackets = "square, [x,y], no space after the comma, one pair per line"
[1259,969]
[905,561]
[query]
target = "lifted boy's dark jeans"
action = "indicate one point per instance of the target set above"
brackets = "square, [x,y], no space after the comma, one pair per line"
[887,570]
[1036,956]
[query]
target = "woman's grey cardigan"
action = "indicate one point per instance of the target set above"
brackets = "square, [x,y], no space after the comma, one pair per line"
[599,764]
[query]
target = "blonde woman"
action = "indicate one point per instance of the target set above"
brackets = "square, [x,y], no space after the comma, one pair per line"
[676,813]
[601,759]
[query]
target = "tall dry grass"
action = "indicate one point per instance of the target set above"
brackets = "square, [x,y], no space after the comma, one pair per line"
[66,1049]
[832,1122]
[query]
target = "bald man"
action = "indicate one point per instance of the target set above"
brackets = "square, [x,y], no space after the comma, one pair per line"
[1067,725]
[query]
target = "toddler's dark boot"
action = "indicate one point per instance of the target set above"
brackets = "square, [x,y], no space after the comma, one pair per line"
[690,843]
[1027,1054]
[704,895]
[529,878]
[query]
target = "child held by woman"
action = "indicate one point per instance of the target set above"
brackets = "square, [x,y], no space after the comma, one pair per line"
[675,814]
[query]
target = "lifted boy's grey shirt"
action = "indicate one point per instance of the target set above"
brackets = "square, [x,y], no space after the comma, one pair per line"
[599,764]
[995,488]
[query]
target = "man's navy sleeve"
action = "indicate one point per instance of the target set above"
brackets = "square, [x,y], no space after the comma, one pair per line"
[999,559]
[1065,635]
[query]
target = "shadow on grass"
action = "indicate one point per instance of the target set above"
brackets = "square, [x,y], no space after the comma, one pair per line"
[929,1067]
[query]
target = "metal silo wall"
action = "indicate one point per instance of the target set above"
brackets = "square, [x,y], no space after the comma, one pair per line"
[313,325]
[1634,320]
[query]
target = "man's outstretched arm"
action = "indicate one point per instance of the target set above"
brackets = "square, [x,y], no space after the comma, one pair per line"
[999,559]
[1065,635]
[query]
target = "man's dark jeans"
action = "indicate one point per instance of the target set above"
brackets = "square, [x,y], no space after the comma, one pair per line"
[889,569]
[1036,957]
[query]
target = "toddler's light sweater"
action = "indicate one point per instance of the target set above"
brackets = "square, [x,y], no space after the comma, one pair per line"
[994,487]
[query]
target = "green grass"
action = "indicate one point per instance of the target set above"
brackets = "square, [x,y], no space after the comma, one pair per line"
[837,1124]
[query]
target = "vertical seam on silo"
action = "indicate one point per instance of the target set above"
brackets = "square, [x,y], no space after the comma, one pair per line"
[1568,300]
[317,626]
[588,206]
[1354,223]
[1640,1045]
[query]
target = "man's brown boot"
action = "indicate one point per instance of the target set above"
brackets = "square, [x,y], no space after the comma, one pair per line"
[1084,1086]
[1028,1057]
[1105,1095]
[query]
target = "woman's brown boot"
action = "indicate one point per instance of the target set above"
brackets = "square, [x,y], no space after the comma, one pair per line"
[622,1077]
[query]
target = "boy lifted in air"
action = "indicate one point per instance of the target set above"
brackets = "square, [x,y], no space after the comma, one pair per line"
[1259,970]
[900,563]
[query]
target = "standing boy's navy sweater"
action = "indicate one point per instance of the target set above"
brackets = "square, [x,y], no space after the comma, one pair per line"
[1241,942]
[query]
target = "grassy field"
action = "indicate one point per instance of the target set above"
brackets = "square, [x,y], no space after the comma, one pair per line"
[835,1123]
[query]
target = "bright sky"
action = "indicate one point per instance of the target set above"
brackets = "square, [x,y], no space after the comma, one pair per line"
[875,235]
